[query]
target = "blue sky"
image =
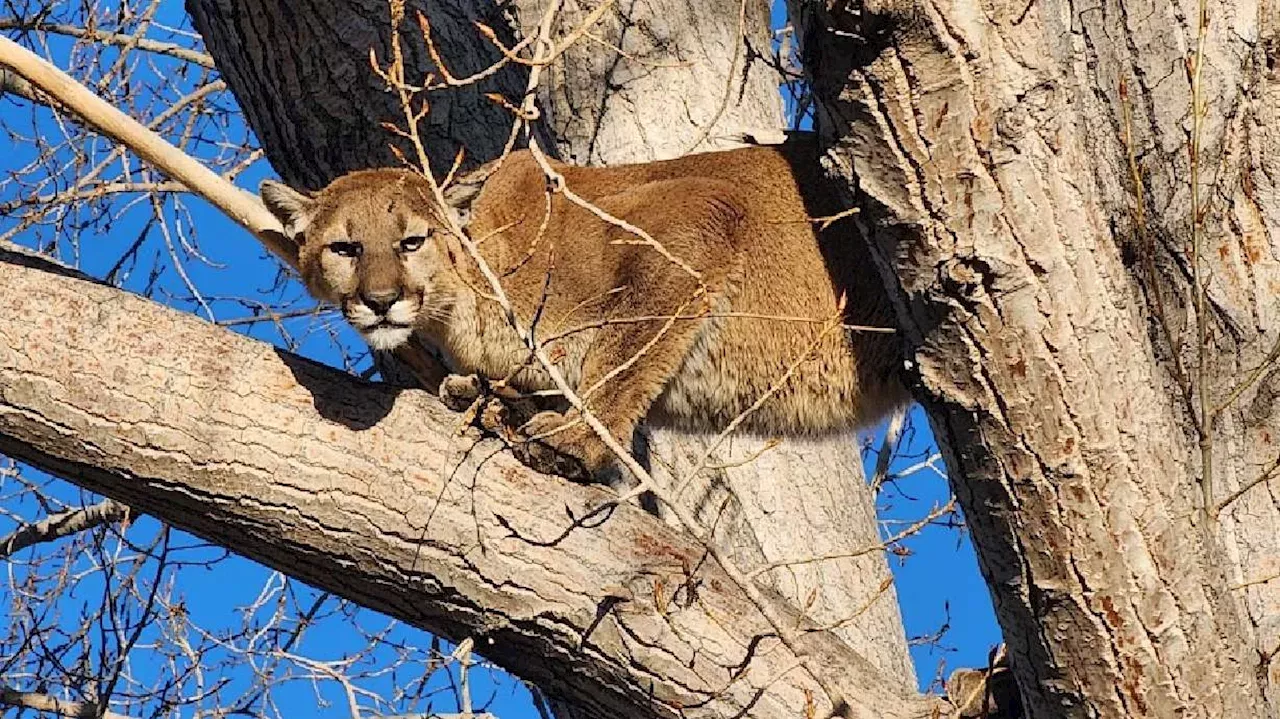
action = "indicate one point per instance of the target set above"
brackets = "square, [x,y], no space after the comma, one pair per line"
[936,576]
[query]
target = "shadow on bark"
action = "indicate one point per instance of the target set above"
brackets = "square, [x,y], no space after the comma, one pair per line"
[351,402]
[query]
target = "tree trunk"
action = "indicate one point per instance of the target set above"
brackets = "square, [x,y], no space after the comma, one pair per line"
[302,75]
[680,86]
[990,151]
[370,492]
[693,79]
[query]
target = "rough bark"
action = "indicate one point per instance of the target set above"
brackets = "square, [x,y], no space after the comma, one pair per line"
[693,78]
[300,72]
[758,498]
[371,493]
[988,145]
[601,108]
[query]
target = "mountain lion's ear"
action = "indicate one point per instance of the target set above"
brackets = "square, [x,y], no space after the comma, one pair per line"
[461,194]
[291,207]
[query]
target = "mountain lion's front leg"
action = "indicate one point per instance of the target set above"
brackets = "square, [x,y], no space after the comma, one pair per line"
[654,322]
[624,372]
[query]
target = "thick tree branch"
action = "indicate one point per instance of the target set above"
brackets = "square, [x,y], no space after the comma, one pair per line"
[986,156]
[370,492]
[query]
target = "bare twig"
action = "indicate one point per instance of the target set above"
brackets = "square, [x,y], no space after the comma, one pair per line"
[912,530]
[1266,474]
[456,715]
[81,189]
[1147,242]
[739,41]
[1249,379]
[1197,278]
[1256,581]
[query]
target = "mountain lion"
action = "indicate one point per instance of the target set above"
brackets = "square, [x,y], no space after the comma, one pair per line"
[743,290]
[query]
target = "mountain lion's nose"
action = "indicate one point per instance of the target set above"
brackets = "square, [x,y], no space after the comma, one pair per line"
[380,301]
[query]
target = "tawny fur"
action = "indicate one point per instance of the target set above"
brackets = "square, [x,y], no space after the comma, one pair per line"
[741,218]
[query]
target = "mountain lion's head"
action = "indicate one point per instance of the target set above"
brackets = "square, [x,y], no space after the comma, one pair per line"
[372,243]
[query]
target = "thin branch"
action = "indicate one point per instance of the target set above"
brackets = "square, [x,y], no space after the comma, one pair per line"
[114,38]
[915,528]
[63,524]
[457,715]
[1250,379]
[52,705]
[740,40]
[1264,476]
[1147,242]
[82,189]
[269,316]
[1197,250]
[1256,581]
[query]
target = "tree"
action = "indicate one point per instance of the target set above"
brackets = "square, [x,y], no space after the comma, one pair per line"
[1086,268]
[1102,394]
[597,105]
[850,594]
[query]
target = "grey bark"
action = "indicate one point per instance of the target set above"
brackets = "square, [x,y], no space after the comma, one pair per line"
[988,146]
[786,504]
[372,493]
[601,107]
[692,78]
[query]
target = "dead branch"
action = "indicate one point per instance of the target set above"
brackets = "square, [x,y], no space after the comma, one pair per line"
[52,705]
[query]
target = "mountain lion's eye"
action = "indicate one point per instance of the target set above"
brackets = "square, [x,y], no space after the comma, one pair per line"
[411,244]
[346,249]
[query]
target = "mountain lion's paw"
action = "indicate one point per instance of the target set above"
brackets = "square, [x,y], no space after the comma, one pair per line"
[458,392]
[564,445]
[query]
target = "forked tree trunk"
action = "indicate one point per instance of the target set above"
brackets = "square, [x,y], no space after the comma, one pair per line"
[677,86]
[989,143]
